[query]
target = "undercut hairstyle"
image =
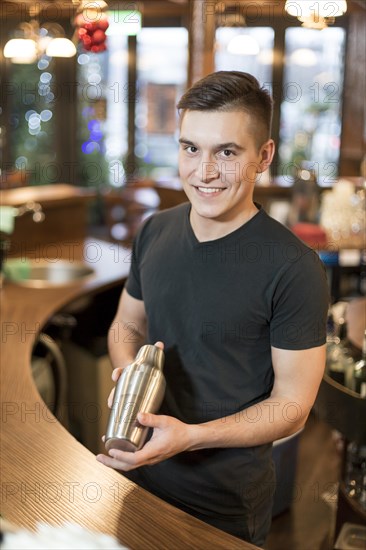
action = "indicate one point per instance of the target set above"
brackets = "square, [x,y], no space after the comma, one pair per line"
[229,91]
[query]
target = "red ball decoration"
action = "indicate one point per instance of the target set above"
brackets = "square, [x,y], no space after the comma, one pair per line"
[98,37]
[91,26]
[91,34]
[103,24]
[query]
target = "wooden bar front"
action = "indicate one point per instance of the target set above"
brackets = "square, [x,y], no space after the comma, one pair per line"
[46,474]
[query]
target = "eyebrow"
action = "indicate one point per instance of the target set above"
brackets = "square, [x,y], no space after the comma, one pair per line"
[219,147]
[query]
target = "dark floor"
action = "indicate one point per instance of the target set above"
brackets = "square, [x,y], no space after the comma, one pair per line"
[309,523]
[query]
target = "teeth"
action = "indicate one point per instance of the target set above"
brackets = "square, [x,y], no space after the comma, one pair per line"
[209,189]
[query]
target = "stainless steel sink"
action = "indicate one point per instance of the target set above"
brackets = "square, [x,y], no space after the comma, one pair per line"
[46,274]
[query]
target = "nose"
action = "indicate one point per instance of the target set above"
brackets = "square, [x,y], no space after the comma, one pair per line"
[208,171]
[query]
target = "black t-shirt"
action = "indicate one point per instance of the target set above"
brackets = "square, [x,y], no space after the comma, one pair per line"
[219,306]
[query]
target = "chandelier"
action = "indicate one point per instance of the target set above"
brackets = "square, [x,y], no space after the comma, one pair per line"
[242,43]
[318,14]
[32,41]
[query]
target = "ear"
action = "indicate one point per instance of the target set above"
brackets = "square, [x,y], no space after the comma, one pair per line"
[266,155]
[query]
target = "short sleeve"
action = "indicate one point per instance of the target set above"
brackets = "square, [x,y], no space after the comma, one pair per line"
[133,283]
[300,304]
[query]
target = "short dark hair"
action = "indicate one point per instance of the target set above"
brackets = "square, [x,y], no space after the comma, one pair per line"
[232,91]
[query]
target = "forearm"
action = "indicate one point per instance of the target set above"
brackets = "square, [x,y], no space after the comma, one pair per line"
[296,382]
[124,340]
[267,421]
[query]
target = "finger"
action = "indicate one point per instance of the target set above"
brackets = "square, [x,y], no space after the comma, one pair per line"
[114,463]
[133,460]
[125,457]
[159,344]
[116,373]
[149,419]
[110,398]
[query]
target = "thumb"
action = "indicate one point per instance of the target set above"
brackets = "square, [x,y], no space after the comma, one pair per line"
[148,419]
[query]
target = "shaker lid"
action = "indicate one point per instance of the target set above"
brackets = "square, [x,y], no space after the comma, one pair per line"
[152,355]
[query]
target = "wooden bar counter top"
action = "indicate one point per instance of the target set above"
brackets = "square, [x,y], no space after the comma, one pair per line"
[46,474]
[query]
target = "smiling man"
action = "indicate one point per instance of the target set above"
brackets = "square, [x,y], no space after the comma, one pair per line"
[219,161]
[239,304]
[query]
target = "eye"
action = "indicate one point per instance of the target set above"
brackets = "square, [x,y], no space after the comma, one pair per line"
[190,149]
[227,153]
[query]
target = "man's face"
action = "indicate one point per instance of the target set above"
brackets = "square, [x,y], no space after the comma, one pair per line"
[218,163]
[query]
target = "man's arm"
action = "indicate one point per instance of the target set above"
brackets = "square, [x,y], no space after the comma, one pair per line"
[297,378]
[127,332]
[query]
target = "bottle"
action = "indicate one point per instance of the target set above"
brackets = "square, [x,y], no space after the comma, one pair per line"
[333,340]
[340,356]
[355,473]
[140,388]
[340,363]
[305,201]
[359,374]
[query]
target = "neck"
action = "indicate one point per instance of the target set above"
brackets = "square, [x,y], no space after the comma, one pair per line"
[210,229]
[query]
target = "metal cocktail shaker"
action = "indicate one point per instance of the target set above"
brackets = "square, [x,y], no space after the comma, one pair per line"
[140,388]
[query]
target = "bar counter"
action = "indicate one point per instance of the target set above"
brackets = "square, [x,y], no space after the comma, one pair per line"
[46,474]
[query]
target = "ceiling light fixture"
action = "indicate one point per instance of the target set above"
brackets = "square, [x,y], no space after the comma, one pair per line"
[243,44]
[318,14]
[32,41]
[21,50]
[304,57]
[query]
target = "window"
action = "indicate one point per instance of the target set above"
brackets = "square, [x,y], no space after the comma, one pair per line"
[102,114]
[311,107]
[306,76]
[162,55]
[32,95]
[310,112]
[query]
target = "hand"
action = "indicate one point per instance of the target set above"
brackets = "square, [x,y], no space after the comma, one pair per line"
[117,373]
[170,437]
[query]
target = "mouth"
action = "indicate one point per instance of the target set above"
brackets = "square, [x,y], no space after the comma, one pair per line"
[209,191]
